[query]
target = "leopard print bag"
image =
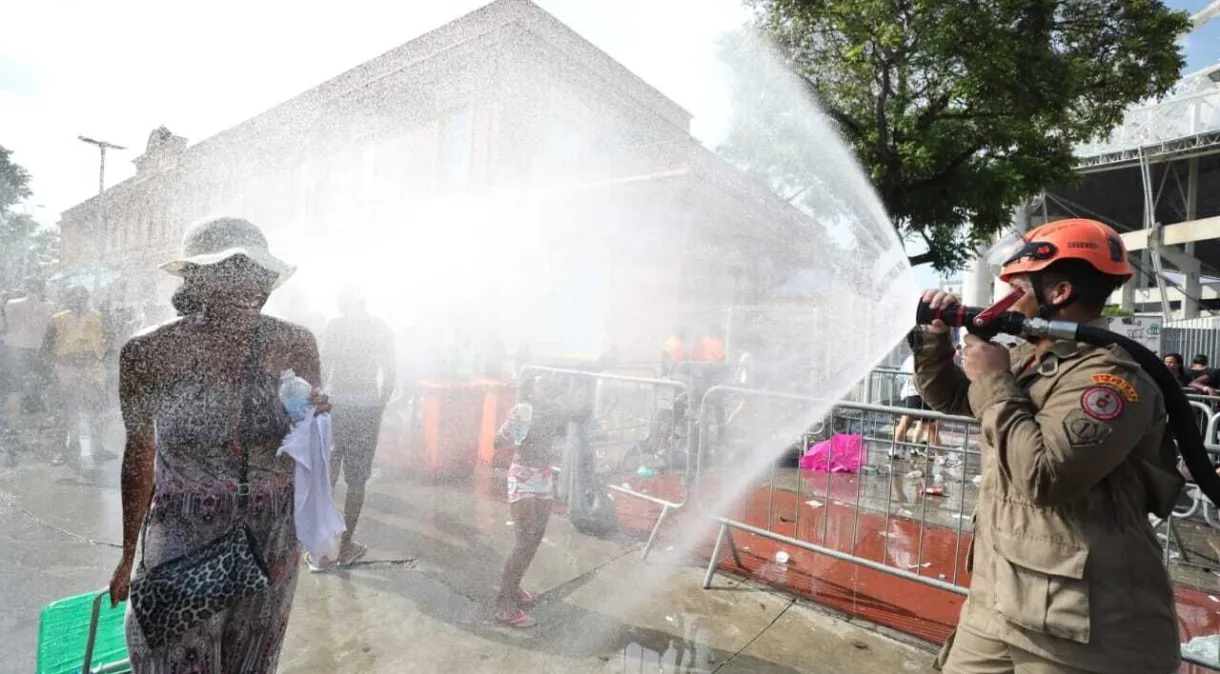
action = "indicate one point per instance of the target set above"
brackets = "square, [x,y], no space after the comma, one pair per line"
[175,596]
[171,598]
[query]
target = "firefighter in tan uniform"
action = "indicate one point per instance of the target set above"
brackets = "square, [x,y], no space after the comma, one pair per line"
[1067,572]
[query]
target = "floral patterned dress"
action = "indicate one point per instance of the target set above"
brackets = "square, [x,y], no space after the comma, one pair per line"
[195,501]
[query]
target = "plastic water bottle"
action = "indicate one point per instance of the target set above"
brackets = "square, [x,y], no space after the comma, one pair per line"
[938,469]
[294,394]
[521,429]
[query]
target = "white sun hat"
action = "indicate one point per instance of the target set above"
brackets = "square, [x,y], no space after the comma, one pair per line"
[215,240]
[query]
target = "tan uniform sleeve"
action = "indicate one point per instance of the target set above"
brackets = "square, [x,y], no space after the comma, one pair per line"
[941,383]
[1084,430]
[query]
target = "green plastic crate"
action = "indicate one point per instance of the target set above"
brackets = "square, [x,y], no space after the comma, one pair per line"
[65,628]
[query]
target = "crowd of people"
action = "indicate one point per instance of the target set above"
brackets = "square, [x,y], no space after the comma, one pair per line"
[1072,448]
[202,477]
[1198,378]
[60,372]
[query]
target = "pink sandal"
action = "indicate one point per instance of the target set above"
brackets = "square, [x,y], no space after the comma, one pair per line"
[525,599]
[518,619]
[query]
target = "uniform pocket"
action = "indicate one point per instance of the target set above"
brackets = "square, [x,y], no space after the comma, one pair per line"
[1040,586]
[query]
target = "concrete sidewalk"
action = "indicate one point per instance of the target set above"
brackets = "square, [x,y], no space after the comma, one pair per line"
[421,600]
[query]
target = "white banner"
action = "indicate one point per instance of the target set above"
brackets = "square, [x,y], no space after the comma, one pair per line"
[1144,329]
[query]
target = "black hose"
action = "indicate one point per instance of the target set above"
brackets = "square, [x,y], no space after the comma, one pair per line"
[1182,422]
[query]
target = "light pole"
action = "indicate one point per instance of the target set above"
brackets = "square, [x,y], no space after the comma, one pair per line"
[102,146]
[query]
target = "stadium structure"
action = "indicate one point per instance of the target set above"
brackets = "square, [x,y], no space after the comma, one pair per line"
[1156,179]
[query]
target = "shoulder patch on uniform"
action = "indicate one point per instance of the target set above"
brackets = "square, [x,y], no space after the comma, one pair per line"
[1102,402]
[1083,431]
[1119,383]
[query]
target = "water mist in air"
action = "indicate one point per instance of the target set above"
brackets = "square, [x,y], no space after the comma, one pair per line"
[816,289]
[762,229]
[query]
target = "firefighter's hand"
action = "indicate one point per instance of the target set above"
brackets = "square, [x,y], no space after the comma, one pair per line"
[981,358]
[938,300]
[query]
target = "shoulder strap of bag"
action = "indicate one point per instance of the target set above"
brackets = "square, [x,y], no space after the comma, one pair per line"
[253,366]
[253,369]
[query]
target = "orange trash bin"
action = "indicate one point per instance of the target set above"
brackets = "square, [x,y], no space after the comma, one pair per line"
[448,445]
[498,399]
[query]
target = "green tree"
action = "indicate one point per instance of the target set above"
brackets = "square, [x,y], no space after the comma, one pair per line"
[26,248]
[959,110]
[1115,311]
[14,182]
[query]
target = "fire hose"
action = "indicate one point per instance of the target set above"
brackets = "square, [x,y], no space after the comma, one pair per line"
[987,323]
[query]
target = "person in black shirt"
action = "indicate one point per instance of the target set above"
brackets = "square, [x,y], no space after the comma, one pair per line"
[358,368]
[1177,365]
[1205,379]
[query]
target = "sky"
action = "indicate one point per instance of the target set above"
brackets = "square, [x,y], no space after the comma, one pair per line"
[1203,46]
[120,69]
[117,70]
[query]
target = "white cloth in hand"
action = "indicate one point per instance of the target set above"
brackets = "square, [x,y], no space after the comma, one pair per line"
[317,519]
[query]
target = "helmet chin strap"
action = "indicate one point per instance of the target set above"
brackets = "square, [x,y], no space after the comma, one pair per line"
[1047,310]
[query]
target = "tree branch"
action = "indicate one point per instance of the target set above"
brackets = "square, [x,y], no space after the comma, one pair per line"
[947,171]
[841,118]
[935,107]
[971,114]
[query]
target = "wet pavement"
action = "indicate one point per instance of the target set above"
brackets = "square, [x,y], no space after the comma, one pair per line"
[425,589]
[421,599]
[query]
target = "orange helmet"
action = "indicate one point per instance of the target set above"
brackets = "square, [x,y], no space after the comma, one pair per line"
[1075,239]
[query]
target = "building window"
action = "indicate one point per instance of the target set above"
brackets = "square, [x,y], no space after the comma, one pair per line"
[456,146]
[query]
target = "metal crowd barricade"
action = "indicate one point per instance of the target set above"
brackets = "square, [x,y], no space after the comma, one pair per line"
[884,386]
[640,424]
[1199,505]
[959,437]
[729,417]
[870,422]
[1208,408]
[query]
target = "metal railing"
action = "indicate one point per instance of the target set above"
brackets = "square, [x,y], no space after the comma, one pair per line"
[909,501]
[918,497]
[629,421]
[885,480]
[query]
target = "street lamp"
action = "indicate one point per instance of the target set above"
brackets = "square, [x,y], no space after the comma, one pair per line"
[102,146]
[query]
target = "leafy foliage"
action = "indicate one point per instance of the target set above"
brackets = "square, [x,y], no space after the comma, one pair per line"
[14,182]
[960,110]
[26,248]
